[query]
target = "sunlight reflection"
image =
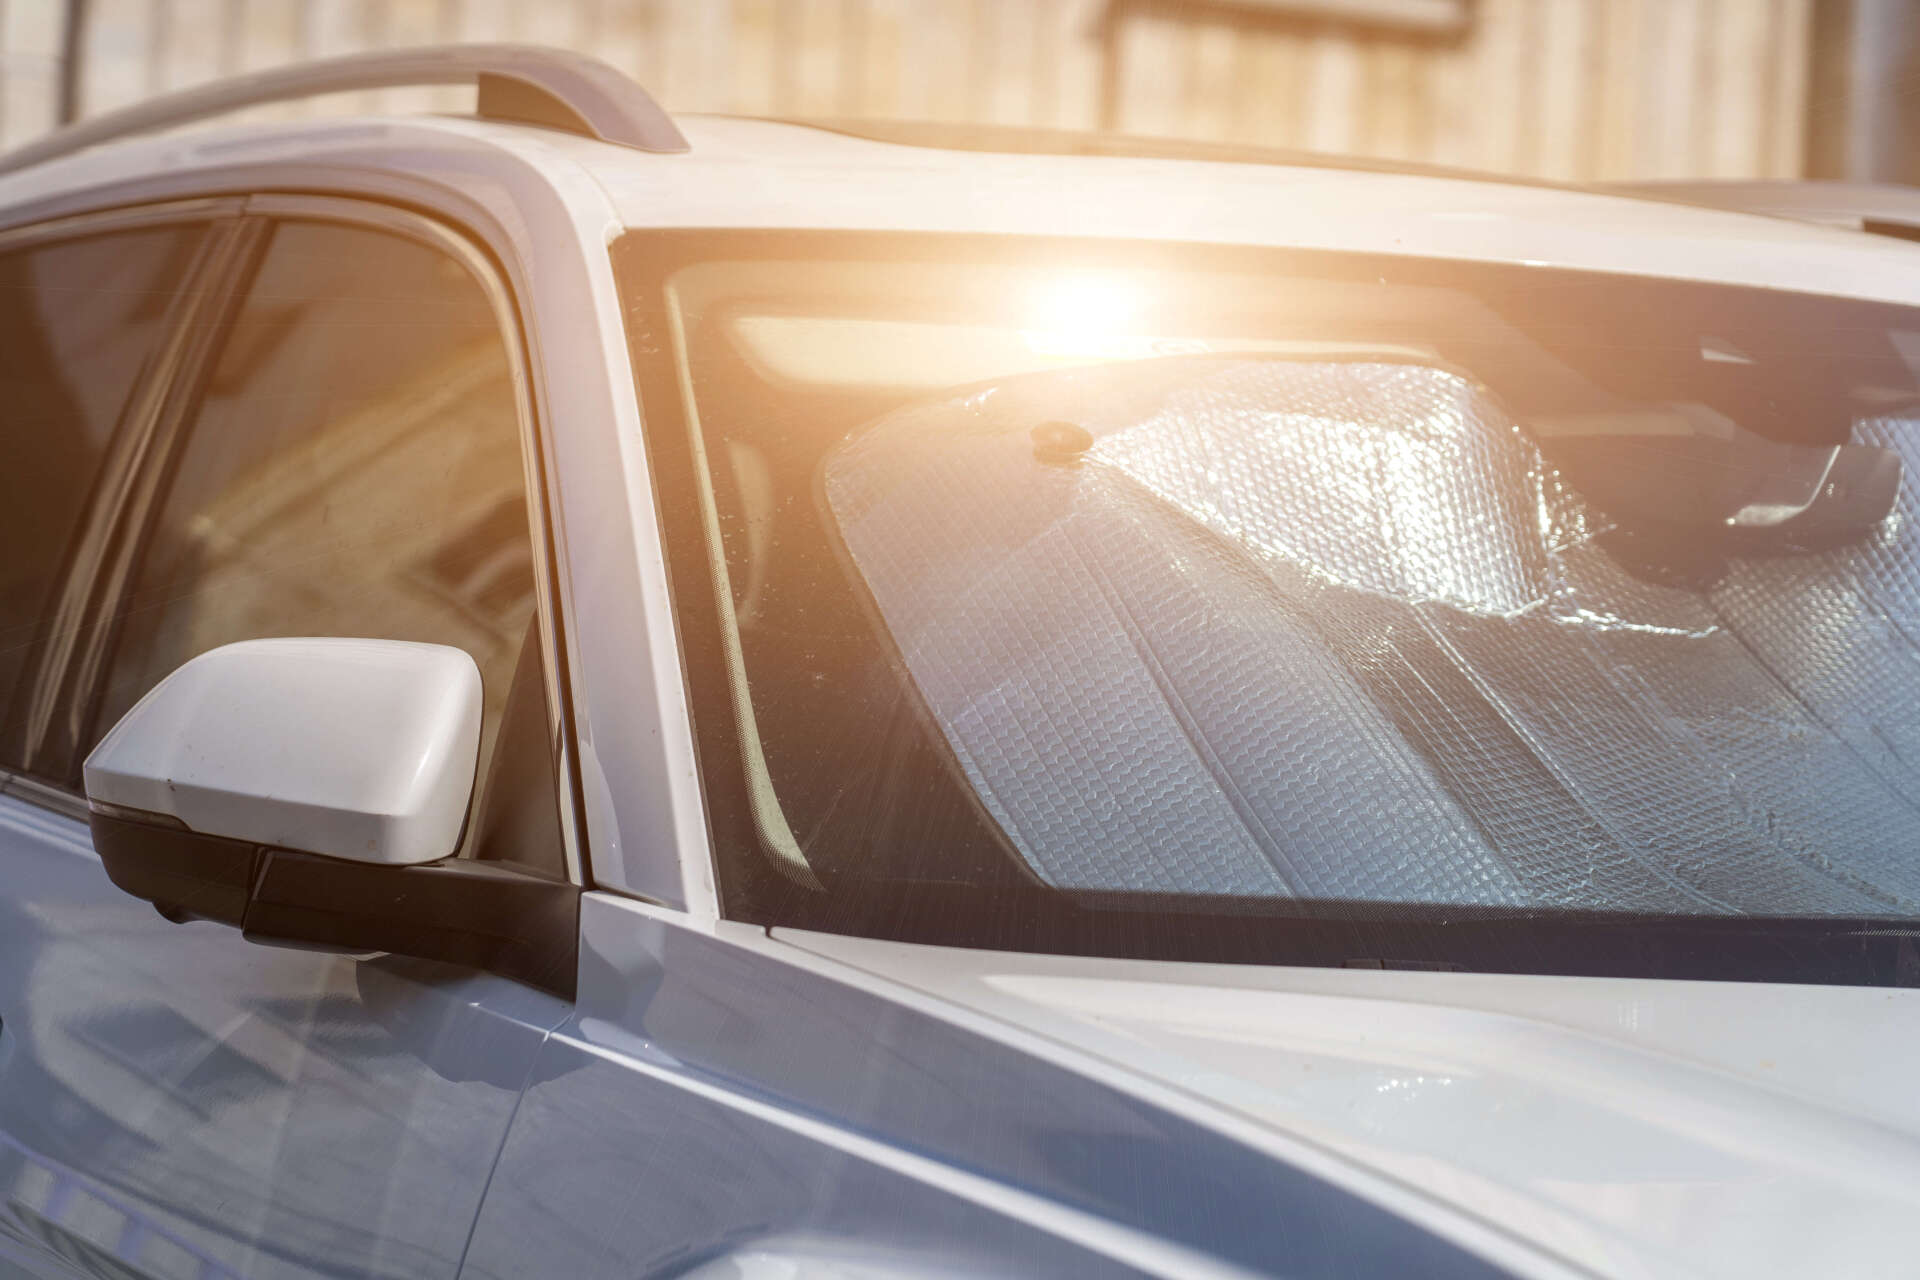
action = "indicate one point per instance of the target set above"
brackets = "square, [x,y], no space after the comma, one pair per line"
[1087,313]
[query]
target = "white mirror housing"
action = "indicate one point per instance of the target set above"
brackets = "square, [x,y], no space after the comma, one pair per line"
[355,749]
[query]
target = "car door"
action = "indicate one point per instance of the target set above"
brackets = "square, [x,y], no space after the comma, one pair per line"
[233,420]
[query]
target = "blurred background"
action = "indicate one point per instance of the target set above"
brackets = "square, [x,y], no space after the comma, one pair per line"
[1569,89]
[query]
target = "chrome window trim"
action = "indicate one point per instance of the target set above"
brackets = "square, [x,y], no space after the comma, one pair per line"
[120,218]
[43,794]
[536,466]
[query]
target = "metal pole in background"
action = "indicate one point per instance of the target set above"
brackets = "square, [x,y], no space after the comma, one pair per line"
[73,45]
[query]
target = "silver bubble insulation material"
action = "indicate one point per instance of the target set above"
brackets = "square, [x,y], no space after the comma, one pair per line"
[1336,630]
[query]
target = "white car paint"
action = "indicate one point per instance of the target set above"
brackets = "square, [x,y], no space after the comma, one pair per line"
[755,173]
[1630,1127]
[1835,204]
[360,749]
[743,173]
[895,972]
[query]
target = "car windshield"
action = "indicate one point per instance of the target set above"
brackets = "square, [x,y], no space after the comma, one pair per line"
[1284,606]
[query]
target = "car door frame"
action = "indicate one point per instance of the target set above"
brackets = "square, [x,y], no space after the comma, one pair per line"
[535,204]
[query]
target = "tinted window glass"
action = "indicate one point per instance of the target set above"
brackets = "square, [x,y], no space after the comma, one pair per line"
[78,320]
[354,469]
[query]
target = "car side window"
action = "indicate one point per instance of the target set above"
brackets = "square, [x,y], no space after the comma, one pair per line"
[79,320]
[354,468]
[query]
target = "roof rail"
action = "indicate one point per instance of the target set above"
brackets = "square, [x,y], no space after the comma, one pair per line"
[527,83]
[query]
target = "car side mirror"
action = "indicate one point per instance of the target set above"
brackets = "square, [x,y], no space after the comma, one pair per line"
[314,792]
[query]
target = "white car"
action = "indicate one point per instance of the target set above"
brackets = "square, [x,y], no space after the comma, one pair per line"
[1877,208]
[728,698]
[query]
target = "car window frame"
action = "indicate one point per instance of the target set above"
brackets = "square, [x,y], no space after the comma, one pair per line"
[92,588]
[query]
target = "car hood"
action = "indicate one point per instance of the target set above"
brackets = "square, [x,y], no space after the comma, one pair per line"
[1629,1127]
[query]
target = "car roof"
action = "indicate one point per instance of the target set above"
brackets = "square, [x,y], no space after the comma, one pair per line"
[1007,139]
[771,175]
[1882,207]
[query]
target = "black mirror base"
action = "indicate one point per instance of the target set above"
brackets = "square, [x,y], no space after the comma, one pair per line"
[483,915]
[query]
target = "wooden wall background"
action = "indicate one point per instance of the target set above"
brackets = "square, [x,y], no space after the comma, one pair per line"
[1560,88]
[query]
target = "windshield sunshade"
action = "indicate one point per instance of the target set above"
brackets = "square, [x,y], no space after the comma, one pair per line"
[1337,630]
